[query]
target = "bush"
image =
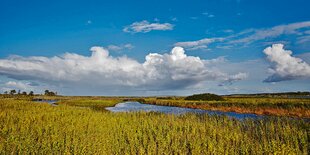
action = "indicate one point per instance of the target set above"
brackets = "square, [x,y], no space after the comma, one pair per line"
[204,97]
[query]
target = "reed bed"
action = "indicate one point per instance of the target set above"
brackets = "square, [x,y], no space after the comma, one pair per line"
[262,106]
[33,128]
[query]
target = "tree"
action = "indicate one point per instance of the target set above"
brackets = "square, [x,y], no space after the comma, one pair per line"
[46,92]
[24,93]
[12,92]
[6,92]
[31,93]
[18,92]
[49,93]
[205,97]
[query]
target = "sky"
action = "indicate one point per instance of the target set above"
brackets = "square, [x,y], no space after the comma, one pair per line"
[146,48]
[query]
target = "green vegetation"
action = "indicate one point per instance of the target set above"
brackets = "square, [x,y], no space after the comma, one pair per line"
[95,104]
[50,93]
[204,97]
[33,128]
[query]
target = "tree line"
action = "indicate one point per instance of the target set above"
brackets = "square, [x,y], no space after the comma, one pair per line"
[204,97]
[31,93]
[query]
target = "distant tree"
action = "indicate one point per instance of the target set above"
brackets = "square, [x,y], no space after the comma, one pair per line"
[12,92]
[49,93]
[24,93]
[204,97]
[6,92]
[46,92]
[18,92]
[31,93]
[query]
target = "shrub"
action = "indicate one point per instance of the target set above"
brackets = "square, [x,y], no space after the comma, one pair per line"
[204,97]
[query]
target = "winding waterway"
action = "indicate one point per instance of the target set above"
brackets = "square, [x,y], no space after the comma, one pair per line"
[50,102]
[136,106]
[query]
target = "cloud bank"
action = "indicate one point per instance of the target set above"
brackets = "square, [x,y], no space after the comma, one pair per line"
[174,70]
[145,26]
[284,66]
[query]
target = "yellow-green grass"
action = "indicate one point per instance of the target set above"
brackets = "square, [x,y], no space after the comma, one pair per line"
[261,106]
[33,128]
[96,104]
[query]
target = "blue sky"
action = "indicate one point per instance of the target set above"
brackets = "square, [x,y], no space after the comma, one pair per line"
[230,38]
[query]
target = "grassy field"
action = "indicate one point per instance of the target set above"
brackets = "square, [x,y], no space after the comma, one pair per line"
[258,105]
[34,128]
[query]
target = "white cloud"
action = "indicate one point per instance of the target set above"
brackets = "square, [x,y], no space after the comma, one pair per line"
[17,85]
[228,31]
[234,78]
[198,44]
[193,18]
[174,19]
[299,30]
[145,26]
[303,39]
[100,70]
[114,48]
[284,65]
[208,14]
[251,35]
[129,46]
[237,77]
[119,47]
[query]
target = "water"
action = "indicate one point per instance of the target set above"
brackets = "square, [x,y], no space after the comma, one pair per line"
[50,102]
[136,106]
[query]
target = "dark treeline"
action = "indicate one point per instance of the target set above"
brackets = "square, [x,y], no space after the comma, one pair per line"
[19,92]
[31,93]
[50,93]
[204,97]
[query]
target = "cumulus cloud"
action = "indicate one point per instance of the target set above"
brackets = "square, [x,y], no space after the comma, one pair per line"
[198,44]
[119,47]
[174,70]
[284,66]
[145,26]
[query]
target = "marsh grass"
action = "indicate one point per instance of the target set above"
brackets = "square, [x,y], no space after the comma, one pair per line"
[31,128]
[95,104]
[259,105]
